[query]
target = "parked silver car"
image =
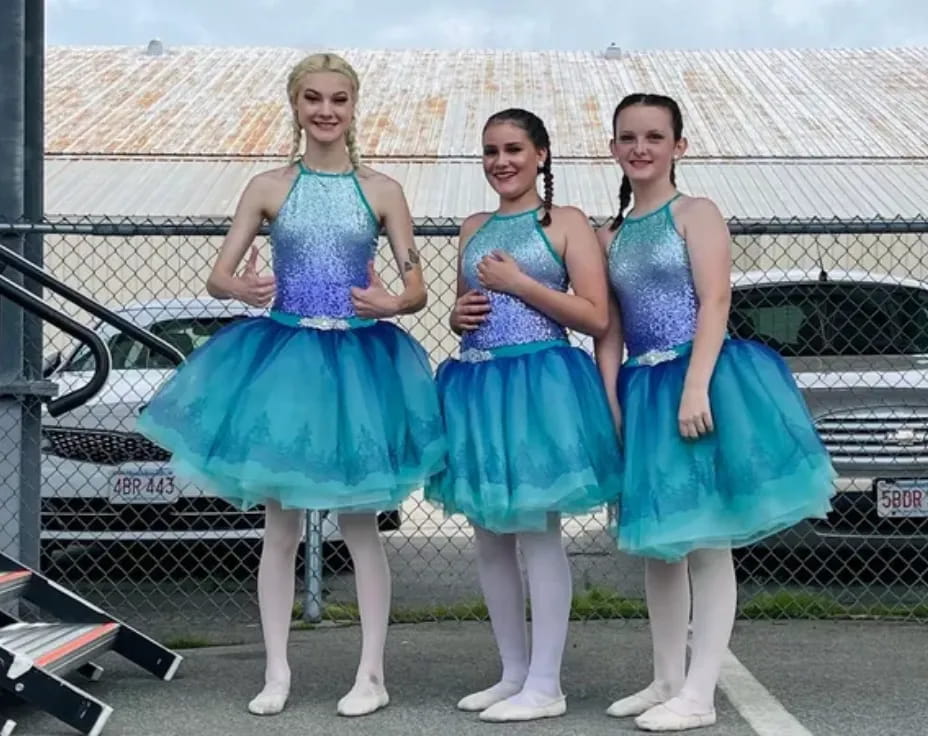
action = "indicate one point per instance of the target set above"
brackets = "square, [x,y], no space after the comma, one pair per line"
[857,343]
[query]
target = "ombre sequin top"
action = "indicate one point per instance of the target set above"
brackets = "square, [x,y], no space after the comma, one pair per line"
[650,273]
[510,320]
[321,241]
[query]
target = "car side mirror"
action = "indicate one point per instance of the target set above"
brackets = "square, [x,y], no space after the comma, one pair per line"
[51,363]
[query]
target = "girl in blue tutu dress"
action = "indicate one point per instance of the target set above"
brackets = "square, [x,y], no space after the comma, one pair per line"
[529,430]
[719,447]
[320,404]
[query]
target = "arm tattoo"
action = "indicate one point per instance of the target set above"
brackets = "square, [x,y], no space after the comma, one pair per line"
[412,259]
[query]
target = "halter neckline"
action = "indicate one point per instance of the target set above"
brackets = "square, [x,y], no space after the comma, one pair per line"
[664,206]
[304,169]
[506,215]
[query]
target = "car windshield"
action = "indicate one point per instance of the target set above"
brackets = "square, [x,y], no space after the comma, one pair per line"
[184,334]
[828,318]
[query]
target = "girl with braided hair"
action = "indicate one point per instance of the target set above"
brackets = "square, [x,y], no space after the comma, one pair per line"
[529,430]
[720,449]
[323,403]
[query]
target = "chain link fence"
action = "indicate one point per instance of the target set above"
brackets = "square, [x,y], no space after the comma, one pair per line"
[845,302]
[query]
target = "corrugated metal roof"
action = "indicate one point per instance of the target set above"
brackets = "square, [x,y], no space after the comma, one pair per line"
[229,102]
[457,188]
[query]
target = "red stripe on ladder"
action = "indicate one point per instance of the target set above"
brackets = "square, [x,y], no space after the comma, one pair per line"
[98,633]
[9,577]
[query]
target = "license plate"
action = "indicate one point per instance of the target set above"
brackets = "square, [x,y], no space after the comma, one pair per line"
[143,487]
[896,499]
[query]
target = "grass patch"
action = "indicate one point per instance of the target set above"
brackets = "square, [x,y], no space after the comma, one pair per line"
[595,603]
[605,604]
[475,610]
[792,606]
[590,604]
[341,612]
[816,606]
[460,611]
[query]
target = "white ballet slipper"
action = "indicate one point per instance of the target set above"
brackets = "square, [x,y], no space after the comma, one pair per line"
[661,718]
[504,711]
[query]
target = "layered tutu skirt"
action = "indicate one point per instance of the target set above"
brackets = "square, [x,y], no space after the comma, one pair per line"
[762,469]
[529,433]
[340,419]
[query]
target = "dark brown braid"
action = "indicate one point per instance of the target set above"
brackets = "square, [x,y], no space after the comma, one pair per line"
[549,190]
[535,129]
[676,121]
[625,198]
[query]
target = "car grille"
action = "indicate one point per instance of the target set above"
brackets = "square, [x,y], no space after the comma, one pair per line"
[880,436]
[184,515]
[101,446]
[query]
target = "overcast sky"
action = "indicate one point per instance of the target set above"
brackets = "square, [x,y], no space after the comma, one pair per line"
[538,24]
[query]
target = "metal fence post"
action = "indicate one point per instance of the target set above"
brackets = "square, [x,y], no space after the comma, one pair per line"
[312,606]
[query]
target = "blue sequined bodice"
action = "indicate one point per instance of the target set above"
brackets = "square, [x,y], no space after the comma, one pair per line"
[510,320]
[322,240]
[649,269]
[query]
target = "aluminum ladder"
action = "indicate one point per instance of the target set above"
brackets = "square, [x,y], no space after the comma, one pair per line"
[35,658]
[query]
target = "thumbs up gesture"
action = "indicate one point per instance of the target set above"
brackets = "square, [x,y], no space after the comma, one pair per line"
[255,289]
[374,302]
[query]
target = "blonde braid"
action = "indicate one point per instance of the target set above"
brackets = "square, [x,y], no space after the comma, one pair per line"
[297,140]
[351,141]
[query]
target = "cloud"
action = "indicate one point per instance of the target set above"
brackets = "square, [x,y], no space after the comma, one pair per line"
[541,24]
[80,4]
[470,27]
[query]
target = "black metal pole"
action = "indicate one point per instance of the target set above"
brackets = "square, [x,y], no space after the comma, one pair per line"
[34,167]
[33,247]
[17,463]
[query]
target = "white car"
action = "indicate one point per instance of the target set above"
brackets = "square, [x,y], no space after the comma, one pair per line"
[104,483]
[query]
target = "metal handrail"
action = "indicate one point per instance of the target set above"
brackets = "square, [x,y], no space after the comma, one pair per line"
[101,353]
[152,342]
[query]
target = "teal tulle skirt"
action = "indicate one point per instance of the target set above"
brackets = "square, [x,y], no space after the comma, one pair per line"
[340,419]
[762,470]
[529,433]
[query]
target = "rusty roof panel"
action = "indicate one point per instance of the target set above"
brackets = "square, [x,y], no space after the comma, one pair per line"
[231,102]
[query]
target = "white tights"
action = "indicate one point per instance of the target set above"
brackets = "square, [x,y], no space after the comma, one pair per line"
[534,679]
[714,599]
[276,573]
